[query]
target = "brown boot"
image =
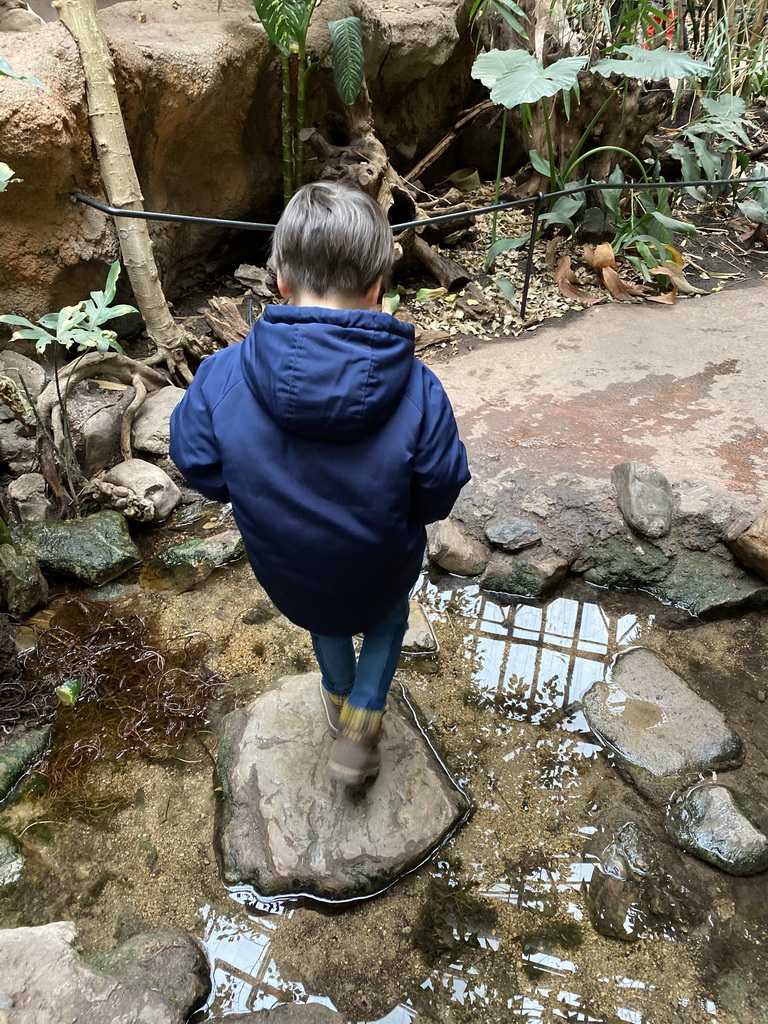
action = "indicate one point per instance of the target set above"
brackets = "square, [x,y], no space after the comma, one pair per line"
[332,704]
[355,753]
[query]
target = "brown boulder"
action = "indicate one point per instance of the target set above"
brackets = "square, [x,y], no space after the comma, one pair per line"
[751,545]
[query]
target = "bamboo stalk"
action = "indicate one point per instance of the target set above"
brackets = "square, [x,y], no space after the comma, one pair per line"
[120,181]
[287,127]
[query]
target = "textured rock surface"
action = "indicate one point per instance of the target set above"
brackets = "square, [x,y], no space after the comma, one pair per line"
[653,721]
[751,545]
[22,585]
[534,572]
[622,561]
[45,980]
[721,827]
[151,428]
[182,566]
[170,962]
[149,483]
[11,859]
[200,95]
[29,496]
[633,889]
[644,497]
[454,551]
[19,750]
[709,585]
[419,636]
[283,827]
[95,418]
[512,534]
[93,550]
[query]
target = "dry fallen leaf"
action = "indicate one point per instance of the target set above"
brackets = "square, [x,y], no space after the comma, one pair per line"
[604,255]
[618,288]
[678,279]
[425,339]
[109,385]
[568,283]
[668,297]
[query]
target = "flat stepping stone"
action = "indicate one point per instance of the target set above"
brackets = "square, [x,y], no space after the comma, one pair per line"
[285,829]
[722,827]
[657,727]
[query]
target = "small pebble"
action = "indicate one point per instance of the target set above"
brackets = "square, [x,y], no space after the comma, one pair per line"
[761,695]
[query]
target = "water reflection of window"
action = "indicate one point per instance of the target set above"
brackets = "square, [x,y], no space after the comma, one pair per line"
[529,658]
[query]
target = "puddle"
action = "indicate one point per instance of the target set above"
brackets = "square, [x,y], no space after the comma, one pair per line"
[496,926]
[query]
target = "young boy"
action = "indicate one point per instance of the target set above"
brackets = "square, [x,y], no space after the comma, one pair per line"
[335,446]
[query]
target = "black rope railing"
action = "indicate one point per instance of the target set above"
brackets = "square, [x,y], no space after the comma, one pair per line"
[536,201]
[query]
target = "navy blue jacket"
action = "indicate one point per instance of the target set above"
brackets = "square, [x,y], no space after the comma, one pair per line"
[335,446]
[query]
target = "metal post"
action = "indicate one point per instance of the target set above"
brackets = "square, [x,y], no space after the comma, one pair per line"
[529,260]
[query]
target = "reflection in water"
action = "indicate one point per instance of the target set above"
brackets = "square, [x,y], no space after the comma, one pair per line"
[526,664]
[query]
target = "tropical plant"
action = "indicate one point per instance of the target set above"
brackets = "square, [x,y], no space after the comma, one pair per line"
[507,10]
[6,174]
[287,22]
[712,146]
[79,328]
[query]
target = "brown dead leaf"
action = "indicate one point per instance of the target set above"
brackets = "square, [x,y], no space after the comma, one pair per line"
[108,385]
[551,253]
[569,286]
[668,298]
[619,289]
[604,255]
[678,279]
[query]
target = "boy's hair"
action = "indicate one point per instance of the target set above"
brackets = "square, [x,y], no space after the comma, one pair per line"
[332,237]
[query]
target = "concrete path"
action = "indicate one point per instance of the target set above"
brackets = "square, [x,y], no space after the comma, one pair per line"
[682,388]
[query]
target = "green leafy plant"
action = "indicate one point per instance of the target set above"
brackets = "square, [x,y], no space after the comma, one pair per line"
[507,10]
[712,146]
[79,328]
[287,22]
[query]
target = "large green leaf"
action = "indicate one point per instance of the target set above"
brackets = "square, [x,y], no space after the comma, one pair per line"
[347,56]
[285,21]
[754,211]
[657,64]
[7,70]
[516,77]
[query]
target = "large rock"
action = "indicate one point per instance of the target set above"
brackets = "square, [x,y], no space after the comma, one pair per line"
[152,426]
[182,566]
[95,416]
[534,572]
[644,497]
[660,731]
[750,546]
[710,586]
[93,550]
[512,534]
[722,827]
[45,981]
[29,495]
[284,828]
[20,749]
[22,585]
[454,551]
[200,95]
[623,561]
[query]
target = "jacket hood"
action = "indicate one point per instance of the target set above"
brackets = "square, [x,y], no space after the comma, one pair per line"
[328,374]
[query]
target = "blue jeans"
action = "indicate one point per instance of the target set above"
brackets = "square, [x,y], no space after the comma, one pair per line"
[364,682]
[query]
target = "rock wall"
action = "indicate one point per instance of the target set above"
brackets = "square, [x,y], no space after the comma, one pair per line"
[200,93]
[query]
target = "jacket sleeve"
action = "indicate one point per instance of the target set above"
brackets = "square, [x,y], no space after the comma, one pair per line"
[440,467]
[194,448]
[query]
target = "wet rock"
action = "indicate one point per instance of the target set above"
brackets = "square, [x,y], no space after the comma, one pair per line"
[44,979]
[182,566]
[260,612]
[169,961]
[622,561]
[22,585]
[20,749]
[722,827]
[290,1013]
[660,731]
[11,859]
[633,890]
[93,550]
[703,515]
[710,586]
[453,551]
[151,428]
[150,495]
[419,636]
[283,827]
[644,498]
[534,572]
[512,534]
[750,546]
[30,497]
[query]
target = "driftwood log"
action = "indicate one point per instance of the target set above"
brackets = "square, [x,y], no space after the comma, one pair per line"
[223,317]
[364,162]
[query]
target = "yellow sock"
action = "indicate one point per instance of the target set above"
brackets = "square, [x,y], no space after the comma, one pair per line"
[359,725]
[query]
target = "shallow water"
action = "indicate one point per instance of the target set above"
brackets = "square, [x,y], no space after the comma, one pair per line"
[496,926]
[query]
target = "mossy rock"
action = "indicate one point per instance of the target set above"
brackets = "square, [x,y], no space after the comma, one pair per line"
[93,550]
